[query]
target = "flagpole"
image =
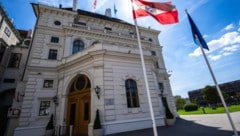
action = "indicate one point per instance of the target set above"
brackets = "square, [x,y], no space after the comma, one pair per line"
[145,76]
[218,89]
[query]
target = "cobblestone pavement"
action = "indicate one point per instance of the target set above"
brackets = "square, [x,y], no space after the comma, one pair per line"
[194,125]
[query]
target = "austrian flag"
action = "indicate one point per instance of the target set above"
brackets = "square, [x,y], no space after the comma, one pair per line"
[163,12]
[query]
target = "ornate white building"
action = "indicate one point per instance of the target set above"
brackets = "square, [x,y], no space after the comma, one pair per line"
[73,53]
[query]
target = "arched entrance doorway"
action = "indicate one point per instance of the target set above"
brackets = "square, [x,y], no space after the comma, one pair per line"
[79,105]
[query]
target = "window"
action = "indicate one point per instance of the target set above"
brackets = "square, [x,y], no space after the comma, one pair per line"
[80,83]
[160,86]
[157,65]
[131,33]
[52,54]
[153,53]
[57,23]
[7,31]
[108,28]
[8,80]
[2,50]
[131,93]
[55,39]
[27,42]
[81,23]
[44,108]
[78,45]
[48,84]
[14,60]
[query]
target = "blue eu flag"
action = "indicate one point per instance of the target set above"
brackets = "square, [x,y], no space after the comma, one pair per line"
[197,36]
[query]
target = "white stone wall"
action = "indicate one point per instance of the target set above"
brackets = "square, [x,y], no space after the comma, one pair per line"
[12,40]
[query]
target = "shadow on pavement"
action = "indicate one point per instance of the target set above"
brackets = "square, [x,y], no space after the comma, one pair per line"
[181,128]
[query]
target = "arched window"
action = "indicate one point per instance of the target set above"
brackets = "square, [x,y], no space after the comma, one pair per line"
[78,45]
[131,93]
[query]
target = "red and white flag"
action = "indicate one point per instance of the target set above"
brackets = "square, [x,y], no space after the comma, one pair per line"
[95,4]
[163,12]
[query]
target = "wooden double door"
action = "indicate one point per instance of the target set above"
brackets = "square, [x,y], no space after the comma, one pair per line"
[79,112]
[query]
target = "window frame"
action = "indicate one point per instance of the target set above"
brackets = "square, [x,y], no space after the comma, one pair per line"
[7,31]
[48,83]
[132,93]
[52,55]
[2,51]
[44,107]
[157,65]
[54,39]
[160,86]
[57,23]
[14,60]
[153,53]
[78,45]
[9,80]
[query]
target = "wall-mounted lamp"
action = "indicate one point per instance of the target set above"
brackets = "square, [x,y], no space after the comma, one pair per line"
[97,91]
[55,100]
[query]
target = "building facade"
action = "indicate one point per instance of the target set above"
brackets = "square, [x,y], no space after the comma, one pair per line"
[9,66]
[14,72]
[231,89]
[81,62]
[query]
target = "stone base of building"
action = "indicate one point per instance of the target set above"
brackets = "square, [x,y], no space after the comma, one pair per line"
[30,131]
[109,128]
[131,125]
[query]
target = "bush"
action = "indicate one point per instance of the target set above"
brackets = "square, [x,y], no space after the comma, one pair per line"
[169,114]
[97,122]
[190,107]
[50,123]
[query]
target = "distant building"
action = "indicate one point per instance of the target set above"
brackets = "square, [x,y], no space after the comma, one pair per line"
[232,89]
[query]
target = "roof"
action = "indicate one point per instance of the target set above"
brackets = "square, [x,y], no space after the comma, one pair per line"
[86,13]
[96,15]
[23,33]
[81,12]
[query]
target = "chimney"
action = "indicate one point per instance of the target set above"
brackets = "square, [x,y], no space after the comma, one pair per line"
[75,5]
[108,12]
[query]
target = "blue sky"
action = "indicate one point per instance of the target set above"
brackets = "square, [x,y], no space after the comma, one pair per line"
[218,21]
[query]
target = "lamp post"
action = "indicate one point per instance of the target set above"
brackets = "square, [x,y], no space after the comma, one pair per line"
[97,91]
[55,100]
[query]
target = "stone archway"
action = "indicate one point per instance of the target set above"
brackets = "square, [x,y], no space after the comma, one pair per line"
[79,105]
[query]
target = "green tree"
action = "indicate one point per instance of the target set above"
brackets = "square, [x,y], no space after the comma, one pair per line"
[210,94]
[180,102]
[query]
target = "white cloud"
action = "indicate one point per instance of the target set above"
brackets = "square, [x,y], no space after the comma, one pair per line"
[238,29]
[227,44]
[205,36]
[229,27]
[227,39]
[215,57]
[100,4]
[196,52]
[231,48]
